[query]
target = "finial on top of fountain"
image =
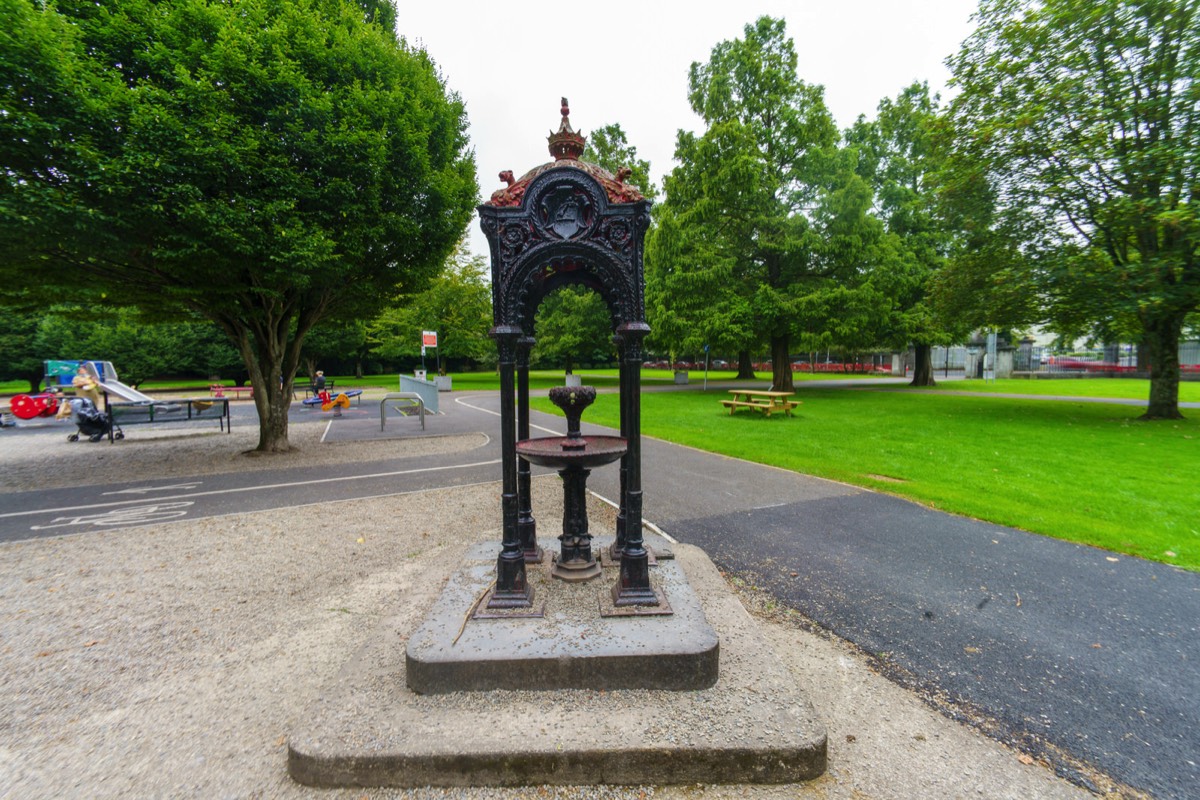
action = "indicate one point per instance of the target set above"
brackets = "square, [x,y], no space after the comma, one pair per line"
[566,143]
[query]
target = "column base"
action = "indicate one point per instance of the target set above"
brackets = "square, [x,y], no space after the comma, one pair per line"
[575,571]
[512,587]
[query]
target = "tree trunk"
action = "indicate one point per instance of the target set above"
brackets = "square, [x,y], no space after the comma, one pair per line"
[745,366]
[923,368]
[1162,346]
[269,355]
[781,365]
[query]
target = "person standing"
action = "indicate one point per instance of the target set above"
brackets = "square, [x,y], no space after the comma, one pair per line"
[86,386]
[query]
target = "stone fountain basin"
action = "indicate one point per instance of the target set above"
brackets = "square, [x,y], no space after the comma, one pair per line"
[548,451]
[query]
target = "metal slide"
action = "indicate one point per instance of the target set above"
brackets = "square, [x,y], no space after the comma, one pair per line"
[106,375]
[124,392]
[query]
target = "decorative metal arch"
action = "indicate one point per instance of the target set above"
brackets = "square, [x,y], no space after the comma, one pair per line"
[566,223]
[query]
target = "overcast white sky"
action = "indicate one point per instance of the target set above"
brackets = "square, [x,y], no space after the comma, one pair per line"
[627,62]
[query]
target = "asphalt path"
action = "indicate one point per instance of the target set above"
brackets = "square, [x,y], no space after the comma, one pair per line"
[122,504]
[1080,656]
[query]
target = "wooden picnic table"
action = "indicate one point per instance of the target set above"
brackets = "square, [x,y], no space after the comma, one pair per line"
[760,400]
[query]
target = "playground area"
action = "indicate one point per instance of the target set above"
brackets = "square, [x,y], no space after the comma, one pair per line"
[89,396]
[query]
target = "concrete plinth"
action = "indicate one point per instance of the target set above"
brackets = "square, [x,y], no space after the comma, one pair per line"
[753,726]
[573,645]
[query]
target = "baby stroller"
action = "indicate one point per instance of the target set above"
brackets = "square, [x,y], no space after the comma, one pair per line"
[91,421]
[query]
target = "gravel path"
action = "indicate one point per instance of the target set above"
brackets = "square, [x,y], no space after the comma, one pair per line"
[172,661]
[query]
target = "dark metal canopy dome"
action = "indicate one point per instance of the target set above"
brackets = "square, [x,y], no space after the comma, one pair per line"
[566,145]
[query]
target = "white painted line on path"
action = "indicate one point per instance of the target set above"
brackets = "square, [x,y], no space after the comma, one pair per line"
[461,401]
[147,489]
[645,522]
[242,489]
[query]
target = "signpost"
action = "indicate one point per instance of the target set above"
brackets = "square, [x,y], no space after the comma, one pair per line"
[429,339]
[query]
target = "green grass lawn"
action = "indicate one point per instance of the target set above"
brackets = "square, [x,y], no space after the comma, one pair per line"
[1126,388]
[1085,472]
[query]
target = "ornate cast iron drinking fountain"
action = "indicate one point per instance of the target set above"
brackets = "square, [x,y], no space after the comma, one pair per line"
[574,455]
[567,222]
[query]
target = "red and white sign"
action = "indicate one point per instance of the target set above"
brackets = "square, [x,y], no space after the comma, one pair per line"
[429,338]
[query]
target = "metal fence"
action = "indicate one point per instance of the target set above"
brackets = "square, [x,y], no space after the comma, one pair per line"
[1114,359]
[1117,359]
[948,359]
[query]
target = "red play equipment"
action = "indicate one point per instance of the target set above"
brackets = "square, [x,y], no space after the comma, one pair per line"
[29,406]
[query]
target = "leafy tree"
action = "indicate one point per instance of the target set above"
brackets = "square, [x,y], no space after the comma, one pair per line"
[207,352]
[22,349]
[899,158]
[266,165]
[137,348]
[457,304]
[1083,116]
[698,292]
[338,341]
[572,325]
[763,212]
[608,147]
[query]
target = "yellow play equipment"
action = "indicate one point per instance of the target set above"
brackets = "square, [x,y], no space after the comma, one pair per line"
[341,401]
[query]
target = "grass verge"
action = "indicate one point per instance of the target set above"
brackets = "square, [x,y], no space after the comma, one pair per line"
[1122,388]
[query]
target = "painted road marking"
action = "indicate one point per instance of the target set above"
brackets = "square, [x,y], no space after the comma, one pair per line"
[145,489]
[462,401]
[123,517]
[241,489]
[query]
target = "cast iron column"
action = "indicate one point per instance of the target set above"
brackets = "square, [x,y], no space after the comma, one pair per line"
[512,590]
[526,525]
[633,585]
[618,545]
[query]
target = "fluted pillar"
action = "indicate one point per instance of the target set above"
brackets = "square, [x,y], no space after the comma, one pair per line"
[633,584]
[512,589]
[526,524]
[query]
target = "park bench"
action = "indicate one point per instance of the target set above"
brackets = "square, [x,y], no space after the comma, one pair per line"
[168,411]
[311,391]
[220,390]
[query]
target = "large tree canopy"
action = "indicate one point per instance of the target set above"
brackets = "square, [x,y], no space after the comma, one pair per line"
[898,157]
[763,211]
[609,147]
[1085,114]
[265,164]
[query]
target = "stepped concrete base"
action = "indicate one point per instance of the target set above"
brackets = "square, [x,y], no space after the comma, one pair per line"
[753,726]
[579,642]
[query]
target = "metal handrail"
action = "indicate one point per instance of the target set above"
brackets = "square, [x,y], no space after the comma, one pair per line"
[400,396]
